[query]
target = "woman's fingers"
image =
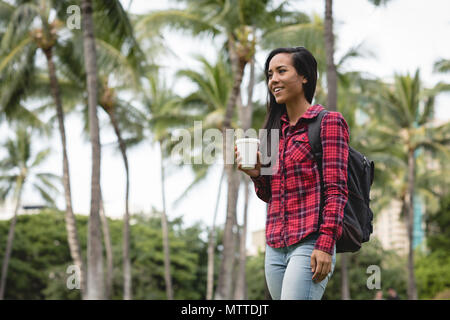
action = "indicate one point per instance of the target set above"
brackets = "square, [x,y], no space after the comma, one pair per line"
[318,271]
[313,263]
[251,172]
[320,266]
[323,273]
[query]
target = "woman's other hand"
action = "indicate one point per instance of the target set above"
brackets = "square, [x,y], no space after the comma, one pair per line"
[320,265]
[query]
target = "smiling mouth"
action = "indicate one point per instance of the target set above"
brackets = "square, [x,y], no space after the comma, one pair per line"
[276,92]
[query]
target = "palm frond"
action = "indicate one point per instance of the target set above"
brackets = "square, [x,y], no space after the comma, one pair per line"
[45,195]
[19,25]
[16,52]
[6,11]
[113,61]
[48,180]
[16,82]
[191,23]
[442,65]
[40,158]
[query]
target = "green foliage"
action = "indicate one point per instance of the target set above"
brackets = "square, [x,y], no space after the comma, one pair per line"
[432,267]
[432,273]
[255,276]
[439,227]
[40,257]
[392,268]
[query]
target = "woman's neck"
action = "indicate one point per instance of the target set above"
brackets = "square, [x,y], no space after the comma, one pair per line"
[295,109]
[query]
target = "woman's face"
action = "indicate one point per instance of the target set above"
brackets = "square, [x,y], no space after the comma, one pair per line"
[284,81]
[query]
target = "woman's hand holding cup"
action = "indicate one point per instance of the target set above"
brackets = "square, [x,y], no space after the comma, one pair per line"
[256,171]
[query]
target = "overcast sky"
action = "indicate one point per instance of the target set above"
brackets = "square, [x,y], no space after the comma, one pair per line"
[404,35]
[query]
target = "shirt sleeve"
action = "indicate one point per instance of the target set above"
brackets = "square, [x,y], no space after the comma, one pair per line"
[262,187]
[335,139]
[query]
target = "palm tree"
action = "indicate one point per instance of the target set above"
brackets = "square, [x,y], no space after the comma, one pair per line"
[108,248]
[165,112]
[25,38]
[355,93]
[407,109]
[332,77]
[110,103]
[245,115]
[125,68]
[332,105]
[20,169]
[120,60]
[73,84]
[95,281]
[116,33]
[331,67]
[209,100]
[162,111]
[332,99]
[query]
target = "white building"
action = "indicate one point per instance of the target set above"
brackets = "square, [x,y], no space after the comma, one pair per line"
[390,229]
[258,242]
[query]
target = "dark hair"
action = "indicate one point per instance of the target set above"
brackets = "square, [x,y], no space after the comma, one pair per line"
[306,65]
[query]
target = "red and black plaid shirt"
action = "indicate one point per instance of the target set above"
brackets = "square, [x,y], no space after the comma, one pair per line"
[293,190]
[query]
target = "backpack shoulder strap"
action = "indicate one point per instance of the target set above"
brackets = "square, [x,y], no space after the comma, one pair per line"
[316,146]
[314,135]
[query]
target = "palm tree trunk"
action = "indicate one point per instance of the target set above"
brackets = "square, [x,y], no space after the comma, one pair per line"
[225,280]
[9,244]
[412,289]
[267,295]
[329,49]
[165,232]
[238,72]
[246,120]
[126,219]
[95,281]
[225,276]
[211,246]
[109,252]
[332,106]
[345,290]
[71,226]
[240,292]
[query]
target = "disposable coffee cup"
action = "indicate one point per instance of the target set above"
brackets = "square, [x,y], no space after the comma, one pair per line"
[248,149]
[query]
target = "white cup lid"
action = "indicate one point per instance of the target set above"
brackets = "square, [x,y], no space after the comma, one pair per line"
[251,140]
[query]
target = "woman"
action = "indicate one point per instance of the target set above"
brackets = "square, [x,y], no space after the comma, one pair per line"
[300,238]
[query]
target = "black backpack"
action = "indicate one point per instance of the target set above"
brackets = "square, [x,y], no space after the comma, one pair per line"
[357,222]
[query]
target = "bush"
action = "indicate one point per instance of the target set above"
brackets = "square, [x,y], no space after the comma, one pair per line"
[40,257]
[444,295]
[432,273]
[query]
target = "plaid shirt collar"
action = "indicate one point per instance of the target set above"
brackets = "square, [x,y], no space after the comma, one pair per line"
[311,113]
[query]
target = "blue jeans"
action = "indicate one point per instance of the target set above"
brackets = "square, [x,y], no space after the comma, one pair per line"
[288,271]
